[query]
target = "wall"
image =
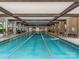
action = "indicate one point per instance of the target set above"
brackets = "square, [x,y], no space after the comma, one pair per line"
[38,28]
[78,27]
[73,26]
[61,27]
[58,27]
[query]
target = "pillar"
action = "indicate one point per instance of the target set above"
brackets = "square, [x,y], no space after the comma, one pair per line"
[6,26]
[14,28]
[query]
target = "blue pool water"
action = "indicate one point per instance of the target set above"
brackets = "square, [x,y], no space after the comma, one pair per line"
[38,46]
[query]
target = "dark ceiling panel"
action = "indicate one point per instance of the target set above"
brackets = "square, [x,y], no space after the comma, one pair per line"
[38,0]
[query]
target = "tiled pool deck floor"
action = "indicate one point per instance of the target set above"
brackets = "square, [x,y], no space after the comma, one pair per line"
[9,36]
[70,39]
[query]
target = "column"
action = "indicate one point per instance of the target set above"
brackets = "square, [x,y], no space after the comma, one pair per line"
[6,26]
[14,28]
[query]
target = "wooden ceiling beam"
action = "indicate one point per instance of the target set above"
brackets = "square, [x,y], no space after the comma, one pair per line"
[36,20]
[71,7]
[10,14]
[40,15]
[30,20]
[38,0]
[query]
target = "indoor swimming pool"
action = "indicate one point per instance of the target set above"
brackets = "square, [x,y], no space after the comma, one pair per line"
[38,46]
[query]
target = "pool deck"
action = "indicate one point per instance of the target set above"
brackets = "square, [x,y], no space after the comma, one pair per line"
[73,40]
[70,39]
[9,36]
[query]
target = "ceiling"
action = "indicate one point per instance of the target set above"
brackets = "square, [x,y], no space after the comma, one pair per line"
[35,7]
[38,13]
